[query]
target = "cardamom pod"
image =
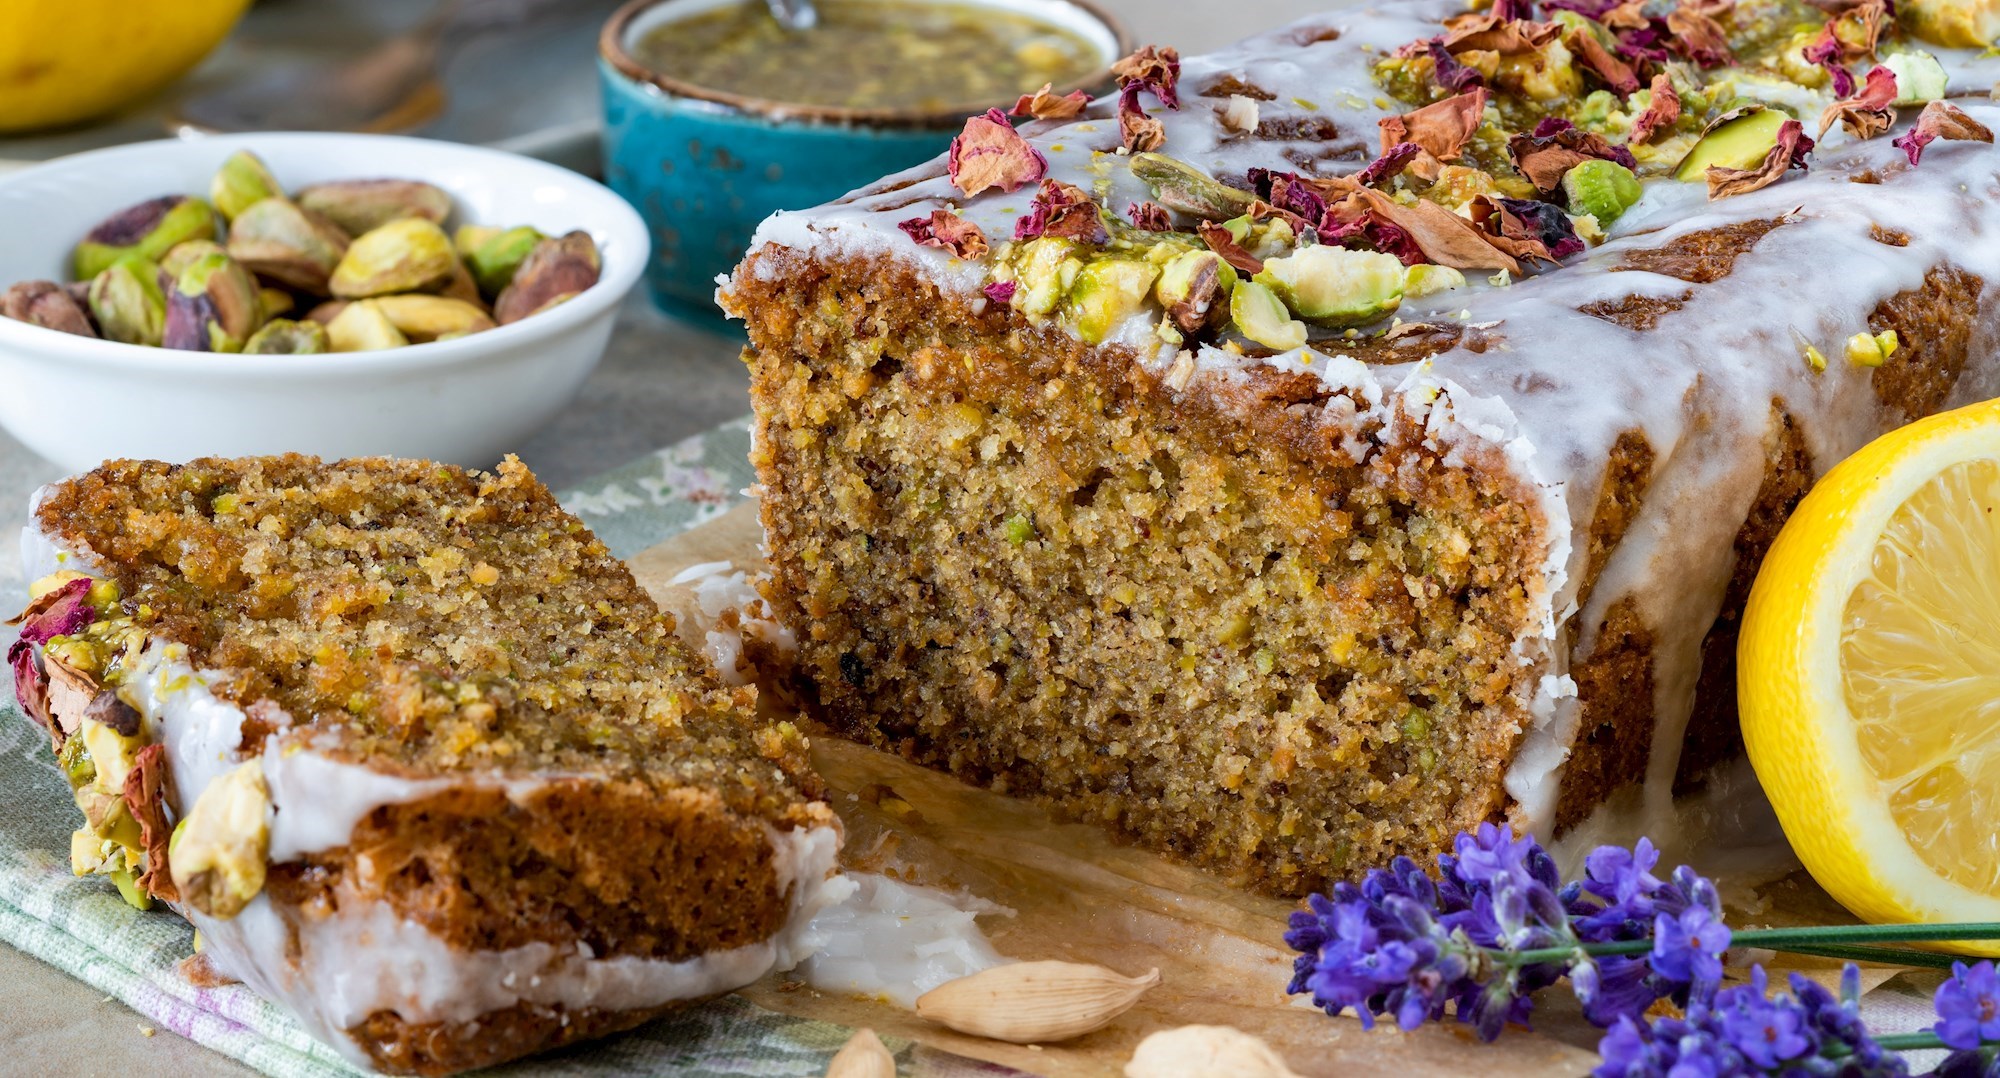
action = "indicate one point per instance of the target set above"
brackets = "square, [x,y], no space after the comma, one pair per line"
[863,1056]
[1034,1002]
[1196,1051]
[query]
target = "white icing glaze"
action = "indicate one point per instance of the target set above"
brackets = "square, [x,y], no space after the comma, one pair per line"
[895,941]
[719,588]
[1558,388]
[362,958]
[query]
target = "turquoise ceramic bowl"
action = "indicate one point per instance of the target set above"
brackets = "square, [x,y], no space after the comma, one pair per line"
[704,167]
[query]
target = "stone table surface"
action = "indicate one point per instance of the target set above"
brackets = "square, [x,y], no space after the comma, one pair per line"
[662,380]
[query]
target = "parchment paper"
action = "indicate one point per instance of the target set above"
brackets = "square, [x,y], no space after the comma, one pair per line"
[1079,896]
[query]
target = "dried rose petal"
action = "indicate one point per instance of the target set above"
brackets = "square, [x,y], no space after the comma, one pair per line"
[1388,166]
[1434,233]
[1627,15]
[1661,112]
[1287,192]
[948,230]
[1514,9]
[1863,23]
[145,787]
[1508,37]
[1789,153]
[1941,120]
[1442,128]
[1150,216]
[1448,72]
[990,153]
[1045,105]
[1713,9]
[1592,56]
[1001,292]
[1827,52]
[65,611]
[1139,132]
[31,687]
[1221,242]
[1867,113]
[1589,9]
[1153,67]
[1555,147]
[1700,38]
[1064,211]
[1525,218]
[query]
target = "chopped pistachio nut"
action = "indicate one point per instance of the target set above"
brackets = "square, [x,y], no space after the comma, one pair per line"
[1815,358]
[1106,293]
[1427,279]
[217,853]
[1736,140]
[1261,316]
[1919,78]
[1600,189]
[1872,349]
[1018,529]
[1335,286]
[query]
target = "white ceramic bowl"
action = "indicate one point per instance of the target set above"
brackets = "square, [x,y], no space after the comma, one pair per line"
[79,401]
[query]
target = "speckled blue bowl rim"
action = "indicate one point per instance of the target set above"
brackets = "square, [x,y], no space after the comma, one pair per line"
[611,46]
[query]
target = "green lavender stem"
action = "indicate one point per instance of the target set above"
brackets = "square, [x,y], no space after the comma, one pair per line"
[1850,940]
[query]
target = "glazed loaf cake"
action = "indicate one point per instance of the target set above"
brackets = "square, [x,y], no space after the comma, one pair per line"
[438,775]
[1051,507]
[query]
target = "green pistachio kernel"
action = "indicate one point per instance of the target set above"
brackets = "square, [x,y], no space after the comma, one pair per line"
[1018,529]
[1600,189]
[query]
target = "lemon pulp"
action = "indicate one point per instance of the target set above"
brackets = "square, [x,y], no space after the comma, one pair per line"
[1920,654]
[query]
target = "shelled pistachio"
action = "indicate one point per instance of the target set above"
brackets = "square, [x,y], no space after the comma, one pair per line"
[151,228]
[48,305]
[556,270]
[128,303]
[240,183]
[362,327]
[408,255]
[284,337]
[365,205]
[279,240]
[212,307]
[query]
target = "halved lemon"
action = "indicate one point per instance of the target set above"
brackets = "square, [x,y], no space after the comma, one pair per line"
[1868,675]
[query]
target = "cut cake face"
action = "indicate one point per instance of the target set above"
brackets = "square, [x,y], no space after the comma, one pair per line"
[415,754]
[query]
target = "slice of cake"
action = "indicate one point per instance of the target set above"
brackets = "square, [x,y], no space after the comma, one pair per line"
[414,753]
[1367,431]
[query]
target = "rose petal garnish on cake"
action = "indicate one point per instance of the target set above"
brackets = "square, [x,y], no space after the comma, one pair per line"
[1448,71]
[1858,29]
[1043,104]
[1789,152]
[1064,211]
[1865,114]
[1001,292]
[990,153]
[1138,132]
[1555,147]
[1222,243]
[1150,216]
[1286,191]
[1661,112]
[1536,231]
[1827,52]
[1441,128]
[948,230]
[1611,70]
[1940,120]
[1155,68]
[1391,164]
[145,785]
[1699,38]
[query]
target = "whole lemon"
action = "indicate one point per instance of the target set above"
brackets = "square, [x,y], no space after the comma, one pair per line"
[67,60]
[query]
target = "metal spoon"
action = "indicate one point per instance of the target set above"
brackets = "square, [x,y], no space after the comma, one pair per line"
[794,14]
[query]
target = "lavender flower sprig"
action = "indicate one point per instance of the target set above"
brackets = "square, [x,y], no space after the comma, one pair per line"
[1496,924]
